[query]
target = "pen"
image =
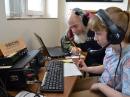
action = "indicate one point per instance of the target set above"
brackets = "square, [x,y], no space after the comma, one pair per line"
[79,56]
[75,46]
[73,43]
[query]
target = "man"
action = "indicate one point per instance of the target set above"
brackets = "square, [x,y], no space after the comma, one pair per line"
[80,39]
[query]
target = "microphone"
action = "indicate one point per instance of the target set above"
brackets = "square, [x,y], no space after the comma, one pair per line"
[92,52]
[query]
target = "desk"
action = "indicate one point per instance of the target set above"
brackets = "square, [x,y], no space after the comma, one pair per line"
[68,86]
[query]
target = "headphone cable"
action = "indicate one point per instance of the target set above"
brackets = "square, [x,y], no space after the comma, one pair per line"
[117,66]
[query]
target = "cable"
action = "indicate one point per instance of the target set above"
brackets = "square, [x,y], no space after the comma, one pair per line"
[1,83]
[117,66]
[26,94]
[37,93]
[3,91]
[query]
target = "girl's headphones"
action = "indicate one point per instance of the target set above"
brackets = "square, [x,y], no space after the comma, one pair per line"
[84,17]
[115,33]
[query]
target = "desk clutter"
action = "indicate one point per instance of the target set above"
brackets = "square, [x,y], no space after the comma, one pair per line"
[18,66]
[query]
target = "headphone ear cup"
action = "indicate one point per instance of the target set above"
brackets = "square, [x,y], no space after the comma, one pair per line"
[85,20]
[109,36]
[115,37]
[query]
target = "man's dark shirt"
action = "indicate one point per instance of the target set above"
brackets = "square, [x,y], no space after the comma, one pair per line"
[91,59]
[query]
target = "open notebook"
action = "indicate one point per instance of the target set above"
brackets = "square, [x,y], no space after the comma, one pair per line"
[53,52]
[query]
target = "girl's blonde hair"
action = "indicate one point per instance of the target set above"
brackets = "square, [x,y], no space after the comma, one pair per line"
[119,17]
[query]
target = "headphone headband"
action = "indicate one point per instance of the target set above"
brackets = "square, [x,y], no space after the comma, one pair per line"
[84,17]
[115,33]
[78,11]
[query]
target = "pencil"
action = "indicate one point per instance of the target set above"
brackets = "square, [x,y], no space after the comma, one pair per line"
[79,56]
[74,46]
[73,43]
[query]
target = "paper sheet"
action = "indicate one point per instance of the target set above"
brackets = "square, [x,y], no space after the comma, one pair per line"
[70,69]
[73,56]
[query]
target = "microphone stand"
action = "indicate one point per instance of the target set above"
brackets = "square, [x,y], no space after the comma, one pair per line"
[98,51]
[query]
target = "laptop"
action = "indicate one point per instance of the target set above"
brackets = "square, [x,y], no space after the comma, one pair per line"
[53,52]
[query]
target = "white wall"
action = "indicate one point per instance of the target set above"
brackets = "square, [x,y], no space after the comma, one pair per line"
[62,17]
[48,29]
[97,5]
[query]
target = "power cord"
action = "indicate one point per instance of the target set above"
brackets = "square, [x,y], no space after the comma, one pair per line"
[30,93]
[37,93]
[3,91]
[26,94]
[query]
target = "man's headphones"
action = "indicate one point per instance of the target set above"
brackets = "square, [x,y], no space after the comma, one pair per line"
[115,33]
[84,17]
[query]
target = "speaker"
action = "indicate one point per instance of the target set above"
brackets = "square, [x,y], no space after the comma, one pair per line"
[84,16]
[115,33]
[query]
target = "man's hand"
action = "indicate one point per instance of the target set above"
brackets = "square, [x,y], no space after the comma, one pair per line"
[75,50]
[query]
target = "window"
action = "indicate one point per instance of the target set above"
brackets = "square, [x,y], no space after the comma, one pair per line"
[31,9]
[35,7]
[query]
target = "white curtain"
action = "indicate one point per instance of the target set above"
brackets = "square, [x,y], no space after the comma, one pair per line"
[31,8]
[17,7]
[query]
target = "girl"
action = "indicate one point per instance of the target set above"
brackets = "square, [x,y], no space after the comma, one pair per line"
[112,31]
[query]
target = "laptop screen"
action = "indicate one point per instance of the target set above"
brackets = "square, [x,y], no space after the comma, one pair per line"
[51,52]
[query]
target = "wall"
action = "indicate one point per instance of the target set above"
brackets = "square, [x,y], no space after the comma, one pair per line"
[48,29]
[97,5]
[62,17]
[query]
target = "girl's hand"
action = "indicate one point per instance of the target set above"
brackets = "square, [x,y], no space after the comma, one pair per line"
[81,65]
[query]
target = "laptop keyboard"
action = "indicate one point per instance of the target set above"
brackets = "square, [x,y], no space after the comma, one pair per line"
[53,80]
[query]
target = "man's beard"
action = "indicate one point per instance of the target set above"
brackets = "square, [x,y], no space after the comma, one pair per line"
[81,38]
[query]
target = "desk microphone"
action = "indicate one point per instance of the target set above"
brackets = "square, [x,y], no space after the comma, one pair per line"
[92,52]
